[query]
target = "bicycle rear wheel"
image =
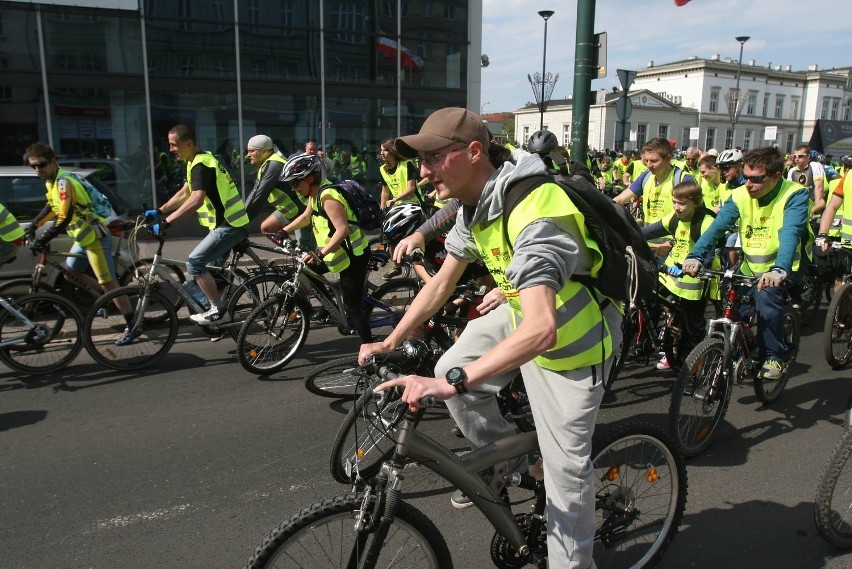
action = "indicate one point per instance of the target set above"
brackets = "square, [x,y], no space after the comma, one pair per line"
[640,494]
[809,293]
[250,294]
[387,304]
[323,535]
[833,504]
[334,379]
[700,397]
[52,344]
[769,391]
[273,333]
[837,334]
[367,436]
[104,325]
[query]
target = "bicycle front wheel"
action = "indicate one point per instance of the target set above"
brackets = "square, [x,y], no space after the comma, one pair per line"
[250,294]
[700,397]
[386,306]
[323,535]
[335,379]
[640,494]
[837,334]
[769,391]
[273,333]
[143,267]
[105,324]
[51,343]
[367,436]
[833,504]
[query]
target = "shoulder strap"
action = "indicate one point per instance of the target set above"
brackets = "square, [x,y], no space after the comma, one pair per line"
[513,195]
[672,228]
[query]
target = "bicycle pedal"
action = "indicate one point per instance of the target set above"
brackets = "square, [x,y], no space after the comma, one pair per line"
[101,313]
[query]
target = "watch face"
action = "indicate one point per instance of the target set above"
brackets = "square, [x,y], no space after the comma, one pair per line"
[455,374]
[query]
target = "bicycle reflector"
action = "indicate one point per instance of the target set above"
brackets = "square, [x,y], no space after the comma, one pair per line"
[651,476]
[612,474]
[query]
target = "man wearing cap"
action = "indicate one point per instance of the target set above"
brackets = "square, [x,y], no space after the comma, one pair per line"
[268,187]
[563,348]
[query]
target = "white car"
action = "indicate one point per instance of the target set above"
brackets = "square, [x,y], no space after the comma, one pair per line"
[23,193]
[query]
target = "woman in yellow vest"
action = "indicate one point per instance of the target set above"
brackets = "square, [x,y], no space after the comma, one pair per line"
[341,244]
[399,185]
[11,235]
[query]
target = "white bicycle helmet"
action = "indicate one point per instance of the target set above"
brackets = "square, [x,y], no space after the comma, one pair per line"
[401,221]
[730,156]
[301,166]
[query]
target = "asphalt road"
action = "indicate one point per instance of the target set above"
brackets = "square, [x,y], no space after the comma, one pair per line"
[191,462]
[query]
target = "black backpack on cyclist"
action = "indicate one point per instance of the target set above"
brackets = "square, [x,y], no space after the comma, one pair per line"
[622,276]
[365,206]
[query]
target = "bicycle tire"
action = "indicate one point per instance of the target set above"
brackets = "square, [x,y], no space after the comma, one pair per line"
[640,487]
[769,391]
[250,294]
[837,333]
[16,288]
[143,266]
[392,300]
[332,380]
[694,413]
[323,533]
[366,436]
[262,345]
[59,337]
[832,506]
[104,325]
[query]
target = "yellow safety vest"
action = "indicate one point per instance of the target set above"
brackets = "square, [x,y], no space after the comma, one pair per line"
[338,258]
[846,216]
[397,182]
[235,210]
[657,198]
[81,227]
[686,287]
[760,226]
[709,192]
[10,230]
[579,320]
[281,200]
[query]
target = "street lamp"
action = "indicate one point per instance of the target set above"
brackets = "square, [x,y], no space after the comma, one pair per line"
[735,101]
[546,14]
[482,107]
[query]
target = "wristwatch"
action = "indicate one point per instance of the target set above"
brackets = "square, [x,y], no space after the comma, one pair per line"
[456,377]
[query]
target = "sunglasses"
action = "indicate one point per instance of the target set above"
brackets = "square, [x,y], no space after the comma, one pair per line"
[800,155]
[756,179]
[37,165]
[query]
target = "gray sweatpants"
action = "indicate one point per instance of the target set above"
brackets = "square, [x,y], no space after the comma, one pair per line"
[565,407]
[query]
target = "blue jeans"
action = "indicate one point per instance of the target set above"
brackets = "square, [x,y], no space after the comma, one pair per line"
[769,304]
[213,248]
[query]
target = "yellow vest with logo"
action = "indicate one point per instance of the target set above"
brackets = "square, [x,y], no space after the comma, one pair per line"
[10,230]
[710,193]
[657,198]
[338,258]
[760,226]
[235,209]
[580,339]
[397,182]
[279,199]
[81,228]
[686,287]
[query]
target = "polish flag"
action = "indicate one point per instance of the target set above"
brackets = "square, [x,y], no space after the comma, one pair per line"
[680,2]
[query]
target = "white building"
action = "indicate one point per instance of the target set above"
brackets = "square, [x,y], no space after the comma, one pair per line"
[668,100]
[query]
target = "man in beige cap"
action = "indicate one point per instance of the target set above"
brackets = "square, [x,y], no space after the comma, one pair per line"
[563,347]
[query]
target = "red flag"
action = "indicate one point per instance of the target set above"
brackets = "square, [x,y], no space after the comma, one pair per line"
[681,2]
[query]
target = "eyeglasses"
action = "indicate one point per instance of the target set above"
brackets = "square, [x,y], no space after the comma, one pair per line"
[756,179]
[800,155]
[726,167]
[433,158]
[37,165]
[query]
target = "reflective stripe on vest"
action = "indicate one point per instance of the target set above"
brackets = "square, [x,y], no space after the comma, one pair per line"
[235,210]
[580,328]
[337,259]
[10,229]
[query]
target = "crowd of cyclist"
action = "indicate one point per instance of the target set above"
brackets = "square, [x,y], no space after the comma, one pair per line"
[745,210]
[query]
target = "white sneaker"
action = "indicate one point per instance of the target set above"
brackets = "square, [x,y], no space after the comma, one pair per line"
[664,364]
[211,316]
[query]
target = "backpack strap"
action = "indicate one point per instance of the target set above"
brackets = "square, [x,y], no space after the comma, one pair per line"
[514,194]
[346,244]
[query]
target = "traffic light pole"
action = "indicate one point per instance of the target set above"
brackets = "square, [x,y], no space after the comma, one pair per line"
[584,71]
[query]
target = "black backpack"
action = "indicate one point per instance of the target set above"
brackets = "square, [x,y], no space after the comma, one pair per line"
[365,206]
[622,276]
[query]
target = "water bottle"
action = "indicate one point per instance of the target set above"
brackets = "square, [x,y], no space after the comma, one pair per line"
[197,294]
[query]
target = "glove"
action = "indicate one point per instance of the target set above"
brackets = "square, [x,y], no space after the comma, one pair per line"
[160,227]
[39,244]
[692,267]
[819,241]
[772,278]
[30,232]
[675,271]
[153,214]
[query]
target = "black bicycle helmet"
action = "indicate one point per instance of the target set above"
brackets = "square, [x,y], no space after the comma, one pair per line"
[846,161]
[300,167]
[401,221]
[542,142]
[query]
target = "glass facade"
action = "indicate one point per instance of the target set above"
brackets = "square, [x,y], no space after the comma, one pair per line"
[295,70]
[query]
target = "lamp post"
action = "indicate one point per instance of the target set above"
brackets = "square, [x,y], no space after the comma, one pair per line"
[482,107]
[735,109]
[546,14]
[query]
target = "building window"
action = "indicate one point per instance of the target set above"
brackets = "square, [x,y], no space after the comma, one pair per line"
[5,93]
[749,135]
[219,10]
[258,68]
[729,138]
[779,106]
[794,107]
[185,11]
[220,67]
[710,138]
[791,143]
[641,135]
[285,16]
[751,104]
[526,134]
[449,12]
[254,14]
[714,100]
[389,8]
[428,9]
[187,66]
[2,30]
[835,107]
[847,110]
[765,104]
[566,135]
[826,102]
[685,136]
[664,131]
[348,16]
[66,62]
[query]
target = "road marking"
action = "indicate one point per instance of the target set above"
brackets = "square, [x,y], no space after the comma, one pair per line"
[156,515]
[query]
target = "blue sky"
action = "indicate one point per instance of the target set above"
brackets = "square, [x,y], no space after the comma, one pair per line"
[785,32]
